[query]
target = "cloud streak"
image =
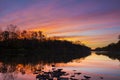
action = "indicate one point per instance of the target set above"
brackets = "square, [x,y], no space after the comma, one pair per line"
[72,19]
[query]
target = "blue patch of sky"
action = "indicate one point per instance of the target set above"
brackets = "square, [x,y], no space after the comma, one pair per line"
[102,31]
[11,6]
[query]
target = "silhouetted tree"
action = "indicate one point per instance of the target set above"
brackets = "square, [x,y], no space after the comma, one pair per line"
[5,35]
[114,47]
[37,41]
[78,42]
[41,36]
[24,34]
[11,28]
[34,35]
[12,31]
[14,35]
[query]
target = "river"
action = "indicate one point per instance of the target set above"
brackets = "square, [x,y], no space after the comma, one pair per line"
[98,67]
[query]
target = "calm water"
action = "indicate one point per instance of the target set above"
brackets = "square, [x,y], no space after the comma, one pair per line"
[95,66]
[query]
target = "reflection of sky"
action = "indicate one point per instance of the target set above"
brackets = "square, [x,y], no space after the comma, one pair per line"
[96,20]
[96,65]
[93,65]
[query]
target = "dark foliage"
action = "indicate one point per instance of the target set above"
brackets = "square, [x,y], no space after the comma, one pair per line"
[25,46]
[112,55]
[114,47]
[23,50]
[112,50]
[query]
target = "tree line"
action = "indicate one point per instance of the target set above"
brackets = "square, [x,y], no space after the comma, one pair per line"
[12,38]
[111,47]
[34,46]
[12,32]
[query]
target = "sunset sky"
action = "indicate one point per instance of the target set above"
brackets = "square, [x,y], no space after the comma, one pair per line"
[95,23]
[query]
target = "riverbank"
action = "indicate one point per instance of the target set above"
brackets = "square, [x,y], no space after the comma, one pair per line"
[50,50]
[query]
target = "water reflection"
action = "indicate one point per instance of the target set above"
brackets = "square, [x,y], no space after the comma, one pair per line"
[43,58]
[95,66]
[13,65]
[9,72]
[112,55]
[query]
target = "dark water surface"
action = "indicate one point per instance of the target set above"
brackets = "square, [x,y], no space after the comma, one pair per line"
[97,66]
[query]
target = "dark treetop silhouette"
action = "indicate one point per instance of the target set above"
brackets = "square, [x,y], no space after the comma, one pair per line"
[114,47]
[34,46]
[112,50]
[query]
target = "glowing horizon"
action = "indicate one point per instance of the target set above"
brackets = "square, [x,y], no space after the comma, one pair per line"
[95,23]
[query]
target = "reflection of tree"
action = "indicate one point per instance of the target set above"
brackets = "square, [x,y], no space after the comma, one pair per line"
[8,72]
[112,55]
[78,60]
[114,47]
[36,57]
[33,46]
[9,76]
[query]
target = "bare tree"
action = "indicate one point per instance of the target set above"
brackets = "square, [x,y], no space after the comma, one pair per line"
[11,28]
[41,36]
[5,35]
[12,31]
[34,35]
[24,34]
